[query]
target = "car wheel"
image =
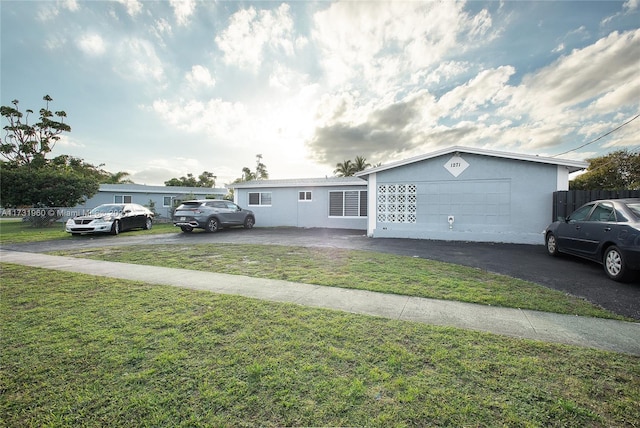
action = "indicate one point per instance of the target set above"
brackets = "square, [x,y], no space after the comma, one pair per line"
[552,244]
[249,222]
[115,227]
[186,229]
[148,224]
[212,225]
[614,264]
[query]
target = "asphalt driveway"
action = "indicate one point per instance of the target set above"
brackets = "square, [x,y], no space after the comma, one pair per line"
[528,262]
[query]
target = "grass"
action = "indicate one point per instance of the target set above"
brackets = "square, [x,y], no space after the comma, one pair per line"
[90,351]
[354,269]
[16,231]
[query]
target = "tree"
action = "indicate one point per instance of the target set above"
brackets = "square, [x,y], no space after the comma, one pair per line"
[25,144]
[261,169]
[260,173]
[619,170]
[344,169]
[28,177]
[247,175]
[63,182]
[360,164]
[348,168]
[116,178]
[206,179]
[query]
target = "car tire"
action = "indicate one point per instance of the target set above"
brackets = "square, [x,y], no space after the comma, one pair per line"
[212,225]
[186,229]
[148,223]
[614,264]
[115,227]
[249,222]
[552,244]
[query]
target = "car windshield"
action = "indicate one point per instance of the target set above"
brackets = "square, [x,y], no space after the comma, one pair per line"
[635,209]
[106,209]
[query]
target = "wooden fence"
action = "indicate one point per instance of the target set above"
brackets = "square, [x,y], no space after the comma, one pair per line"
[567,201]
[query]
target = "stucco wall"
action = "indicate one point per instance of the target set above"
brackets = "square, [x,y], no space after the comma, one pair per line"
[141,198]
[493,199]
[287,210]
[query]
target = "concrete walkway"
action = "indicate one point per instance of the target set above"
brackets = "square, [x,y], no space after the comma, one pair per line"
[618,336]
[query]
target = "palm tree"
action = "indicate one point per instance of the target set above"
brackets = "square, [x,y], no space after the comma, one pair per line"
[360,164]
[344,169]
[119,177]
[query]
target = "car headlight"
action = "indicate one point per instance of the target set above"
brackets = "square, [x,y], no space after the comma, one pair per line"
[70,222]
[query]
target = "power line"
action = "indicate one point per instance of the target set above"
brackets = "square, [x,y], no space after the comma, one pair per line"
[599,138]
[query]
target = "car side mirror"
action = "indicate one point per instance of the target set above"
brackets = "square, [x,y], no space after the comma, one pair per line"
[126,211]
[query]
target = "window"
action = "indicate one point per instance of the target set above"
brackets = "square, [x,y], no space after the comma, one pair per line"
[304,196]
[167,201]
[260,198]
[603,212]
[350,203]
[581,214]
[122,199]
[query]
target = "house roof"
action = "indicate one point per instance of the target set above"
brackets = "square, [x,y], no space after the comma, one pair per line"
[300,182]
[571,165]
[143,188]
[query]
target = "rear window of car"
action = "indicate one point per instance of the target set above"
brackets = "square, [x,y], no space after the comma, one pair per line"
[635,209]
[190,204]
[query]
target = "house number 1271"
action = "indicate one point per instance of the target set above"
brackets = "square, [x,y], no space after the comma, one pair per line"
[455,165]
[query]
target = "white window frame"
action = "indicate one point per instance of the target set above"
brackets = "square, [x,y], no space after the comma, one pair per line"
[261,197]
[362,204]
[164,199]
[305,196]
[124,199]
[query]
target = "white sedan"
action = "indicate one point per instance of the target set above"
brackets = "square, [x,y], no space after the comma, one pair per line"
[111,218]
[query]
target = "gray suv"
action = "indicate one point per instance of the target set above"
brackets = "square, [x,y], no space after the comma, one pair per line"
[211,215]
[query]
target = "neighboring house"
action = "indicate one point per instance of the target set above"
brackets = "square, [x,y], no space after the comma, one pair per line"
[466,194]
[458,194]
[162,196]
[334,202]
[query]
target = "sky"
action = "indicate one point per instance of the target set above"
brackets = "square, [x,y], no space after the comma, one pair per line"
[160,89]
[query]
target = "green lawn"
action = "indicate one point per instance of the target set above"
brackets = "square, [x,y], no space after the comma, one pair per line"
[16,231]
[79,350]
[363,270]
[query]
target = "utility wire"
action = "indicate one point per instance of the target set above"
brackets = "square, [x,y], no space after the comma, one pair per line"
[599,138]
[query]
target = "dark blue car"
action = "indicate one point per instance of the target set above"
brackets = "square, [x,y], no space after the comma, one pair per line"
[606,231]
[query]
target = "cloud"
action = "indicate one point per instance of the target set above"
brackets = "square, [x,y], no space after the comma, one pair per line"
[91,44]
[215,118]
[183,9]
[157,171]
[385,42]
[133,7]
[200,76]
[251,32]
[137,59]
[486,88]
[548,105]
[71,5]
[631,5]
[583,75]
[376,132]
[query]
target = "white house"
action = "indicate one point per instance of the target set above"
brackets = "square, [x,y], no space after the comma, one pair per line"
[458,193]
[333,202]
[162,197]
